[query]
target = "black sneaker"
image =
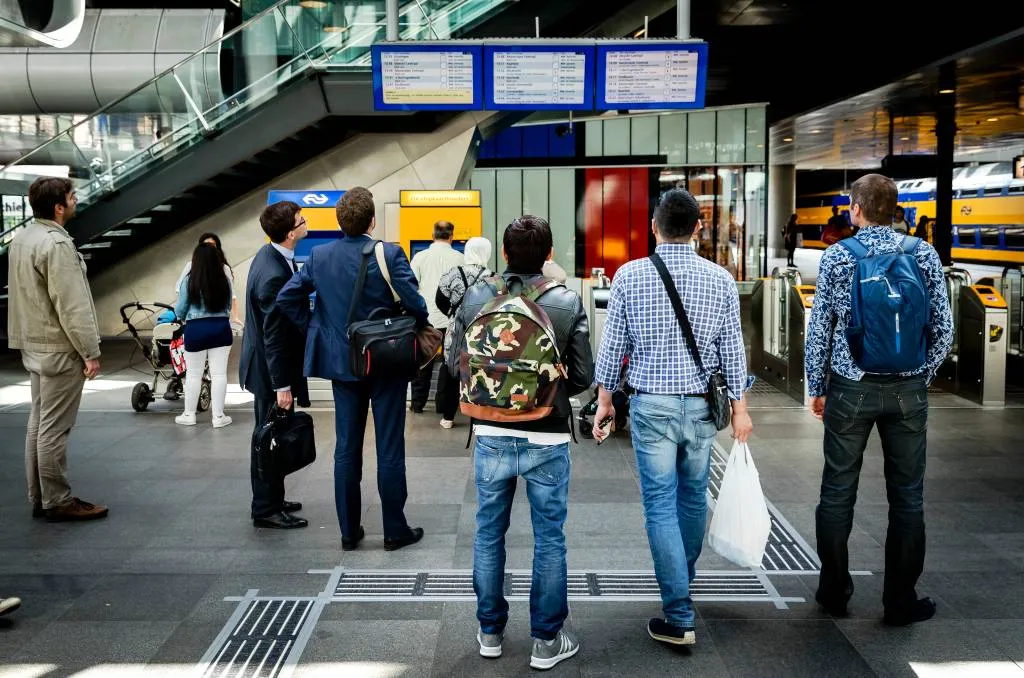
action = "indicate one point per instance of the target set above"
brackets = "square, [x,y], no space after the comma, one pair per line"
[663,632]
[921,610]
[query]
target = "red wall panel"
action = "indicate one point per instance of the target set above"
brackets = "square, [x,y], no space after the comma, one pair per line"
[639,218]
[593,218]
[616,218]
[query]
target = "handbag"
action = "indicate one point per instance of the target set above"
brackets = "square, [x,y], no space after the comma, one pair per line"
[382,346]
[177,351]
[719,403]
[284,444]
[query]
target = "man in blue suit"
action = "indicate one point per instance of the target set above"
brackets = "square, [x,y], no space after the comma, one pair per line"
[271,365]
[331,272]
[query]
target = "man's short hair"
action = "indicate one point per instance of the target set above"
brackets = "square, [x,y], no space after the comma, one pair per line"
[355,211]
[46,193]
[444,230]
[877,195]
[677,214]
[527,243]
[278,220]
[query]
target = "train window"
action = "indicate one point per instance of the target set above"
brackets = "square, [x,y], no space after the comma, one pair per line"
[1014,237]
[994,190]
[990,236]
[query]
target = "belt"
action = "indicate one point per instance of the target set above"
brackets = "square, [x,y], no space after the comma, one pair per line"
[674,395]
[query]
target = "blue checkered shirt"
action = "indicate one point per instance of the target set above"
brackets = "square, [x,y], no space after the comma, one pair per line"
[642,325]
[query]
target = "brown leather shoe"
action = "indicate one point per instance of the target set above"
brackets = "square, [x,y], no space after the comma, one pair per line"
[76,510]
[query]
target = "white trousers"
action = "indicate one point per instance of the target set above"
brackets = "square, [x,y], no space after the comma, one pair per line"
[194,363]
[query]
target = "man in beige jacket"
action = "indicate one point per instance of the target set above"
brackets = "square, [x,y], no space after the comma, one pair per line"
[52,320]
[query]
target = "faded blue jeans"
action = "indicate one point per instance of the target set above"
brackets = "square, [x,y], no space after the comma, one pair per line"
[672,436]
[546,469]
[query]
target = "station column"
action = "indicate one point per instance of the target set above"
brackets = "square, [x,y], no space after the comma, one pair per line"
[945,132]
[781,205]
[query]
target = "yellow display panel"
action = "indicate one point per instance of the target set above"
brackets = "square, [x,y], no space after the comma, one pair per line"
[420,210]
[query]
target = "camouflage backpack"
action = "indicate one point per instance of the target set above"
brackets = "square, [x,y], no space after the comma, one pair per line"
[510,365]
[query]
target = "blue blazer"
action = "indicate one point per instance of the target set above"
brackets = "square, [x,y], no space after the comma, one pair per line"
[331,272]
[271,345]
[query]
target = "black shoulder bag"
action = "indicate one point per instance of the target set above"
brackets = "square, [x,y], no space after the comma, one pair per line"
[719,403]
[382,346]
[284,444]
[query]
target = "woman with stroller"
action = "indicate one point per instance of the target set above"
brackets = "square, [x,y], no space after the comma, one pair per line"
[450,290]
[204,303]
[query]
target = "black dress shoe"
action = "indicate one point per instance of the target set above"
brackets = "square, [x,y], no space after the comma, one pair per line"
[919,611]
[351,544]
[833,608]
[291,506]
[280,521]
[414,535]
[38,512]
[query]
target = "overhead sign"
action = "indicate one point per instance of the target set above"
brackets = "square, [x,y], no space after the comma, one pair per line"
[649,74]
[539,77]
[427,76]
[307,199]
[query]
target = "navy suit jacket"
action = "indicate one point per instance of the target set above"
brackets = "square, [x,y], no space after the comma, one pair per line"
[331,272]
[272,344]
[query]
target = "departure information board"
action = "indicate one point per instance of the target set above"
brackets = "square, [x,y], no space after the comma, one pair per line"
[539,77]
[651,75]
[419,77]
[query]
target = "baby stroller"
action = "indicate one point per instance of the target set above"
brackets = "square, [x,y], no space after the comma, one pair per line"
[620,400]
[164,350]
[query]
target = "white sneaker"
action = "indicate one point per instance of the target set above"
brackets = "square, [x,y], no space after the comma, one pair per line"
[221,421]
[185,420]
[447,423]
[547,654]
[12,604]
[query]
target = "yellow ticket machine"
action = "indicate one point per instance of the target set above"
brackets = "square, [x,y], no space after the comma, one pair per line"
[983,330]
[419,210]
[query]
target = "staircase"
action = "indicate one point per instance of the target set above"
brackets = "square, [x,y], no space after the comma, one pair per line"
[182,149]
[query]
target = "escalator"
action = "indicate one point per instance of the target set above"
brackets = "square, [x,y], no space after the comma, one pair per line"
[185,143]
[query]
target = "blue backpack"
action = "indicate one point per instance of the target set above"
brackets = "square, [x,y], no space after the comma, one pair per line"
[889,309]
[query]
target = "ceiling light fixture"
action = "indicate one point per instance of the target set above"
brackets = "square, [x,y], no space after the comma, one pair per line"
[787,139]
[993,119]
[313,4]
[946,91]
[815,131]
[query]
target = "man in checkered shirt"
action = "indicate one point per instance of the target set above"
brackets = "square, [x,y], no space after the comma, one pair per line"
[670,422]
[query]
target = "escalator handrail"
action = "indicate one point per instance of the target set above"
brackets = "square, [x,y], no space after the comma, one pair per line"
[102,110]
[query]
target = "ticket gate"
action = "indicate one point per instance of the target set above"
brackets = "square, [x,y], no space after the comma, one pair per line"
[596,291]
[781,311]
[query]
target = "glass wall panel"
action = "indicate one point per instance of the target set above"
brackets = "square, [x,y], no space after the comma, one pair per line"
[616,136]
[643,136]
[731,135]
[562,205]
[672,137]
[700,142]
[757,132]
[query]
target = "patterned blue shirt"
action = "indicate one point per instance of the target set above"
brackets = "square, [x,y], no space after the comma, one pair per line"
[642,325]
[832,304]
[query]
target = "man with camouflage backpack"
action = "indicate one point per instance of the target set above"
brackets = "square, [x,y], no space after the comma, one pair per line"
[522,348]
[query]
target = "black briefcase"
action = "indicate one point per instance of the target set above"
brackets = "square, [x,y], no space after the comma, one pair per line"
[284,444]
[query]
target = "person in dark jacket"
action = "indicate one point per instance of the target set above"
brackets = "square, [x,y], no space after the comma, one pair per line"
[272,349]
[331,272]
[538,451]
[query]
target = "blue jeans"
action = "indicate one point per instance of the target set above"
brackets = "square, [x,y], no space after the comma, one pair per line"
[672,436]
[546,471]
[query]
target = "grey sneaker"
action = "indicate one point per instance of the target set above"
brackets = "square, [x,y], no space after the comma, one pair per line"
[490,644]
[545,656]
[9,604]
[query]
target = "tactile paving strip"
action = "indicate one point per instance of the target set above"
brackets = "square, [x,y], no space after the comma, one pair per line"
[260,642]
[457,585]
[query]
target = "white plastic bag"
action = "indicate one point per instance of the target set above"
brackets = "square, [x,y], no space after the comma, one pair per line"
[740,525]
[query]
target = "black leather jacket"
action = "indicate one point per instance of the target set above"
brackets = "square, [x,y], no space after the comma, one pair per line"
[572,333]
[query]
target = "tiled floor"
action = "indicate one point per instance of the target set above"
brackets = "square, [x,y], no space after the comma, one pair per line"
[152,590]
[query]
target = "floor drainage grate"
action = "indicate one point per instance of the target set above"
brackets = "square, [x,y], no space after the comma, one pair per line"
[260,641]
[457,585]
[786,551]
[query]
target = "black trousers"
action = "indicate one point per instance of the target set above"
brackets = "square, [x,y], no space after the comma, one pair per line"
[421,387]
[267,495]
[898,406]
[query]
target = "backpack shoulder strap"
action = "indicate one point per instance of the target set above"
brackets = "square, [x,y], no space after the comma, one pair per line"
[910,244]
[534,291]
[855,247]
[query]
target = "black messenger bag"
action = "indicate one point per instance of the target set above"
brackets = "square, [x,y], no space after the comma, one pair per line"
[384,346]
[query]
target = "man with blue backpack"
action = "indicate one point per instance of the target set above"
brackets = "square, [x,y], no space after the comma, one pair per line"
[880,328]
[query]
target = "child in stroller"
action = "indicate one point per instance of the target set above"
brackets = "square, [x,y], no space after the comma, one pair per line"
[620,399]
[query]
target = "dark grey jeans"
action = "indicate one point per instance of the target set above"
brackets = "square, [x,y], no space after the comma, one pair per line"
[899,407]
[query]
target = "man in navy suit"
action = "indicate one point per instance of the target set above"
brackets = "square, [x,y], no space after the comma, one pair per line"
[331,272]
[272,346]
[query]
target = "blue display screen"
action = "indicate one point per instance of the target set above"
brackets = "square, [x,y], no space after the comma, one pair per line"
[539,77]
[427,77]
[640,75]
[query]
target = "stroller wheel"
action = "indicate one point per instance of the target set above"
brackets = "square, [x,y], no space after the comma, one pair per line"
[205,397]
[141,397]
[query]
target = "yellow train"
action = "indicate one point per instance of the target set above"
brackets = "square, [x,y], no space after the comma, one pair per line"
[988,212]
